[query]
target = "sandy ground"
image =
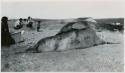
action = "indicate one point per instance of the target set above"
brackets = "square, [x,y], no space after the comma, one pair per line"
[102,58]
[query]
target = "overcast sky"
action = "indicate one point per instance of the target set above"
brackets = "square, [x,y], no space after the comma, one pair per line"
[60,10]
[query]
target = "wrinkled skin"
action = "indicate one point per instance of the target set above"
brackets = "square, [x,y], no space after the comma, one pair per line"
[72,39]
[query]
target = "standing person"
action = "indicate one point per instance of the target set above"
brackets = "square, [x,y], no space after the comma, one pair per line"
[38,26]
[6,39]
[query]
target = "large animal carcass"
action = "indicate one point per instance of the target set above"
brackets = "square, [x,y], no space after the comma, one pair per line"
[68,38]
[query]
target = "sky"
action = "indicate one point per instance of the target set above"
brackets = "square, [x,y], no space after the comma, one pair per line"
[63,9]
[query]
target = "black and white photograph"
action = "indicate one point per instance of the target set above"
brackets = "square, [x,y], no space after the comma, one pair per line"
[62,36]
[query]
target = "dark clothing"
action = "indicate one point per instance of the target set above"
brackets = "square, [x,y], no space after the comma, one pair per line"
[30,25]
[18,27]
[38,26]
[6,39]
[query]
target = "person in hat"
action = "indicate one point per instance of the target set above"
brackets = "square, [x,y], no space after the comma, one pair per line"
[6,39]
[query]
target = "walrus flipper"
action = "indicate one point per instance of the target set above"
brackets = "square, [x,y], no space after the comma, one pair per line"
[33,49]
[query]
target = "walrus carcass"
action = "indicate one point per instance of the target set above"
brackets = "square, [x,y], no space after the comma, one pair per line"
[72,39]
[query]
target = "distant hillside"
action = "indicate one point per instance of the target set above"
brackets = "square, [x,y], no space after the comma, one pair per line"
[110,20]
[107,24]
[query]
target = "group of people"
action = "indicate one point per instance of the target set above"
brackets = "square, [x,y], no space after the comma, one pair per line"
[19,23]
[28,22]
[6,38]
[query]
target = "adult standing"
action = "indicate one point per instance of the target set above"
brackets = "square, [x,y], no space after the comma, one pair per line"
[6,38]
[38,26]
